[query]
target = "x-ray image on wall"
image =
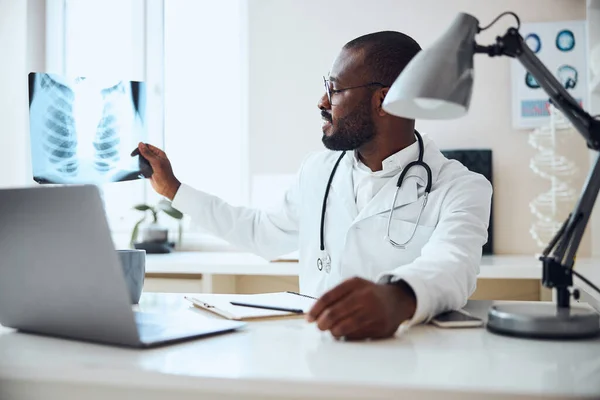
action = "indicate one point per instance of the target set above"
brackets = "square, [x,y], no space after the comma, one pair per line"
[83,129]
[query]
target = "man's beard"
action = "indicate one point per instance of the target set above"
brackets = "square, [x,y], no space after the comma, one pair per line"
[352,131]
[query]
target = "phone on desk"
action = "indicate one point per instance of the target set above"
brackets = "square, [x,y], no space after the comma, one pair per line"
[456,319]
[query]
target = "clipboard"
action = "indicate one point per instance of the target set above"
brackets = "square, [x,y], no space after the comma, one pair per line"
[220,304]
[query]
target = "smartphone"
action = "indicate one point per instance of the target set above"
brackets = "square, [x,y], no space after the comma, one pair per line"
[456,319]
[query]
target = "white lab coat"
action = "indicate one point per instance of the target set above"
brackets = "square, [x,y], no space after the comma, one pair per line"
[440,263]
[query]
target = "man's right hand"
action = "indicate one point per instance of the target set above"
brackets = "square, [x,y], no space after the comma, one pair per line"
[163,180]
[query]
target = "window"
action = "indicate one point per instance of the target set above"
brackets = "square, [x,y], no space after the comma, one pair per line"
[206,95]
[109,38]
[192,56]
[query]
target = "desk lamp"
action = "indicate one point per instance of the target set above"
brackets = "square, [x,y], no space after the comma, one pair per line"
[437,84]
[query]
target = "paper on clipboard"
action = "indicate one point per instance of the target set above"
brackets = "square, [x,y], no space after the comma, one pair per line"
[220,304]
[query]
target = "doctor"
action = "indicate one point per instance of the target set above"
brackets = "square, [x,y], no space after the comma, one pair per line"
[372,270]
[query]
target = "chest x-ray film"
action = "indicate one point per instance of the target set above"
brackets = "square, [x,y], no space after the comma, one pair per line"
[83,130]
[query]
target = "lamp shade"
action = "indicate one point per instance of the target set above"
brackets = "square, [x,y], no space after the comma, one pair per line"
[437,83]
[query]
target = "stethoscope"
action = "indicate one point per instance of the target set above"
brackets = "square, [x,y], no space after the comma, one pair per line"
[324,261]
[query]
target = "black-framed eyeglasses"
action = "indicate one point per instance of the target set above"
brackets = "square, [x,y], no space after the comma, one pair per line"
[331,91]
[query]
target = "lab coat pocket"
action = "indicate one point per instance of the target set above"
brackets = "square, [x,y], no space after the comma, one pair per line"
[368,253]
[407,234]
[410,236]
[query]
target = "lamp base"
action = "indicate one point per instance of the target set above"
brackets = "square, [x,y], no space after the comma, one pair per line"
[543,321]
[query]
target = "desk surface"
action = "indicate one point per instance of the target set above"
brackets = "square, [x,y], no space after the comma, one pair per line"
[292,359]
[219,263]
[239,263]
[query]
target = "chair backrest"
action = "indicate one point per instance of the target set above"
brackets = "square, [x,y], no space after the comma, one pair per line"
[479,161]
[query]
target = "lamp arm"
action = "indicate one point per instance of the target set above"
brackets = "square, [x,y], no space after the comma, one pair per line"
[513,45]
[557,267]
[585,124]
[566,250]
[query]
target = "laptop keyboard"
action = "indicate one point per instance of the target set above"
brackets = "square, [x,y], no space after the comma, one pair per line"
[148,318]
[156,328]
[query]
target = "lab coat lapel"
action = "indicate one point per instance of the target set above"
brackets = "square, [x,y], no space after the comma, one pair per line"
[382,201]
[342,187]
[412,187]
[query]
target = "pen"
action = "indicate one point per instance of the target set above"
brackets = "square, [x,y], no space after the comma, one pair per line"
[303,295]
[292,310]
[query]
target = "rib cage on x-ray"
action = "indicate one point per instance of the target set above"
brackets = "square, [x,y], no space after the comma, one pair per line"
[60,141]
[83,130]
[107,139]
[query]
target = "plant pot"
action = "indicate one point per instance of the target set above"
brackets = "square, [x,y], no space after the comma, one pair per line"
[153,232]
[154,238]
[154,247]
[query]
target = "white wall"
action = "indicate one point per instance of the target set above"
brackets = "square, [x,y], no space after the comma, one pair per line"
[13,92]
[293,43]
[22,40]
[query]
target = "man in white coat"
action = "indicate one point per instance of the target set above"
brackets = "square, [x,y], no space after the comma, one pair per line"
[369,287]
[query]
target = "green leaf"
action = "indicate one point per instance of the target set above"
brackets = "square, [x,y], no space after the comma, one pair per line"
[134,234]
[173,213]
[170,210]
[142,207]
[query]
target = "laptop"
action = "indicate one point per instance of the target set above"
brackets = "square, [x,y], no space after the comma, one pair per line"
[60,274]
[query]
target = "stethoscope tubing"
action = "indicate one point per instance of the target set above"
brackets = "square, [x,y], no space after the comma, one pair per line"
[419,162]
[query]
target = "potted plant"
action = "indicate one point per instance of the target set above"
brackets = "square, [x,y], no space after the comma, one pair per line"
[153,237]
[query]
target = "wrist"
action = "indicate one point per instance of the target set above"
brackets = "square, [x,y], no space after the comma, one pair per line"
[172,190]
[406,299]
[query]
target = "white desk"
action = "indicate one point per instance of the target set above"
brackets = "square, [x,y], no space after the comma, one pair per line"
[217,263]
[290,359]
[240,263]
[218,272]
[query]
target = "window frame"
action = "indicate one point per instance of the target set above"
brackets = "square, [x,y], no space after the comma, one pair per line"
[151,52]
[148,43]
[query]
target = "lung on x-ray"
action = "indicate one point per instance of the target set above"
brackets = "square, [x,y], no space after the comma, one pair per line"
[83,129]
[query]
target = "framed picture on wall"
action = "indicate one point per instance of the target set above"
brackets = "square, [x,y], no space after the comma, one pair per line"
[561,47]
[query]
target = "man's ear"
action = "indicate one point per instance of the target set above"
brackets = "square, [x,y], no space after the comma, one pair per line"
[381,96]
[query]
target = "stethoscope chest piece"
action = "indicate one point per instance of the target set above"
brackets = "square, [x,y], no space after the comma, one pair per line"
[324,262]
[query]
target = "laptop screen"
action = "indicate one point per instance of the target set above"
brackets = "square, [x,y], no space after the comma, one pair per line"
[83,130]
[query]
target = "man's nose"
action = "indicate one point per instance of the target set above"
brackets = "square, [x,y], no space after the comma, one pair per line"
[323,103]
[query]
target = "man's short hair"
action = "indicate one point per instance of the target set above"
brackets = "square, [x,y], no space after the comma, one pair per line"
[386,54]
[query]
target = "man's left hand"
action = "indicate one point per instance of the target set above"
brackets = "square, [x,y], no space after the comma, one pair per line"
[360,309]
